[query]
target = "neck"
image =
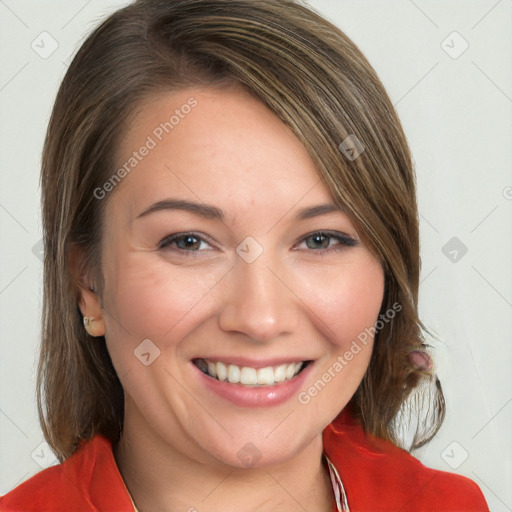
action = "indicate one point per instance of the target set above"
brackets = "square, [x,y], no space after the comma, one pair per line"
[161,477]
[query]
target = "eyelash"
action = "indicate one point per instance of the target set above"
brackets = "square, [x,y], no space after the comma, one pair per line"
[344,241]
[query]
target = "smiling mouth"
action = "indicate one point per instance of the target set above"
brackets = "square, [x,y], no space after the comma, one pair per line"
[248,376]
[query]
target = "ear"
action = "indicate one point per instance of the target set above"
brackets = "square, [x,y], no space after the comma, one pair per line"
[88,300]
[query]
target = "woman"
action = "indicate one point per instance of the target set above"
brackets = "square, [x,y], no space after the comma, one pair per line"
[231,273]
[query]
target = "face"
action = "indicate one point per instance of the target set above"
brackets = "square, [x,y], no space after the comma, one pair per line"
[234,288]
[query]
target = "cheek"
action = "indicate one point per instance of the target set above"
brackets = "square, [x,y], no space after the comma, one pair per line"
[346,299]
[347,311]
[152,297]
[148,299]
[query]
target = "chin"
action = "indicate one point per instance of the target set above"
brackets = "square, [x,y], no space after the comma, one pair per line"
[268,444]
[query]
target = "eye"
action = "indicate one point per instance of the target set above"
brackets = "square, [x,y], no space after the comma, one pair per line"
[322,241]
[187,242]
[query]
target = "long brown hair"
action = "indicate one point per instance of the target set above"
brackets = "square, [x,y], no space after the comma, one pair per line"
[315,79]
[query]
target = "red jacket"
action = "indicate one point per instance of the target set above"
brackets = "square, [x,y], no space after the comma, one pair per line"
[377,477]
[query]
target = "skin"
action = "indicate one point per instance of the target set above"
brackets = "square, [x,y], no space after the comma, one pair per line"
[179,446]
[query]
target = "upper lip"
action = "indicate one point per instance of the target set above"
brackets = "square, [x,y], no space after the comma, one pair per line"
[253,363]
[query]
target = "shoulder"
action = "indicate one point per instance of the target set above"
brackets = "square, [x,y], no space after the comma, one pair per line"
[88,480]
[376,473]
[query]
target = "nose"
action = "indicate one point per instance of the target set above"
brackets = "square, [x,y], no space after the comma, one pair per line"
[259,302]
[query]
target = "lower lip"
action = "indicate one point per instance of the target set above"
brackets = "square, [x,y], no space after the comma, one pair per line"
[254,396]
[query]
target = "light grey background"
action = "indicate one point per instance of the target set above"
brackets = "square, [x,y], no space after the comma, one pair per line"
[455,106]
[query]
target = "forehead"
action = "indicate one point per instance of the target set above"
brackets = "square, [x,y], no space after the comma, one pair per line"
[221,146]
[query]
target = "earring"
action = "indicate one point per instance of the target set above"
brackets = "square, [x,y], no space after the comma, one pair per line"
[88,320]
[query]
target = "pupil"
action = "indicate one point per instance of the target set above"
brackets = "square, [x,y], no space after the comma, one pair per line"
[322,240]
[189,241]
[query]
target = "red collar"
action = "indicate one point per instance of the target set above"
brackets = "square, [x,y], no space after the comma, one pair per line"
[379,476]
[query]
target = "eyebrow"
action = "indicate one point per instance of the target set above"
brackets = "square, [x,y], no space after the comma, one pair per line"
[212,212]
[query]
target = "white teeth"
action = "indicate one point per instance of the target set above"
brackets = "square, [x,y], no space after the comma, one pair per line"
[212,370]
[268,376]
[222,372]
[234,373]
[248,376]
[280,373]
[290,371]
